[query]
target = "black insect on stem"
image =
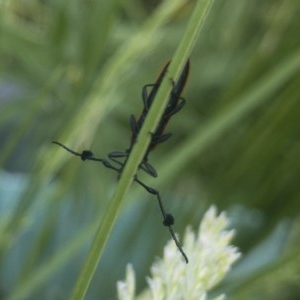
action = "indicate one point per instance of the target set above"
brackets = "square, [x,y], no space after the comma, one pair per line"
[175,104]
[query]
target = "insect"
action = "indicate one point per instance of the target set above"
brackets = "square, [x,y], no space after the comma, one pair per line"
[175,104]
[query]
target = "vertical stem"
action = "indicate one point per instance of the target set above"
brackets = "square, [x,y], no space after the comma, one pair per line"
[181,55]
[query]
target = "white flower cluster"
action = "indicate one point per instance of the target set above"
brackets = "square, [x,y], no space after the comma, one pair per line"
[210,258]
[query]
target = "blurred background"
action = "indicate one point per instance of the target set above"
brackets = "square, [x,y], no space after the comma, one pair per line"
[73,71]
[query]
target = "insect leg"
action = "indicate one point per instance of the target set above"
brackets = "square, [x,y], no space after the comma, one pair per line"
[168,219]
[133,125]
[87,155]
[82,155]
[117,154]
[149,169]
[179,247]
[160,138]
[145,95]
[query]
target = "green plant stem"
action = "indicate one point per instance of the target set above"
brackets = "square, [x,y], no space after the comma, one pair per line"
[181,55]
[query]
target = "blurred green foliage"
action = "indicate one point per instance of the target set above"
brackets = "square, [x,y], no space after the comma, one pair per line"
[73,71]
